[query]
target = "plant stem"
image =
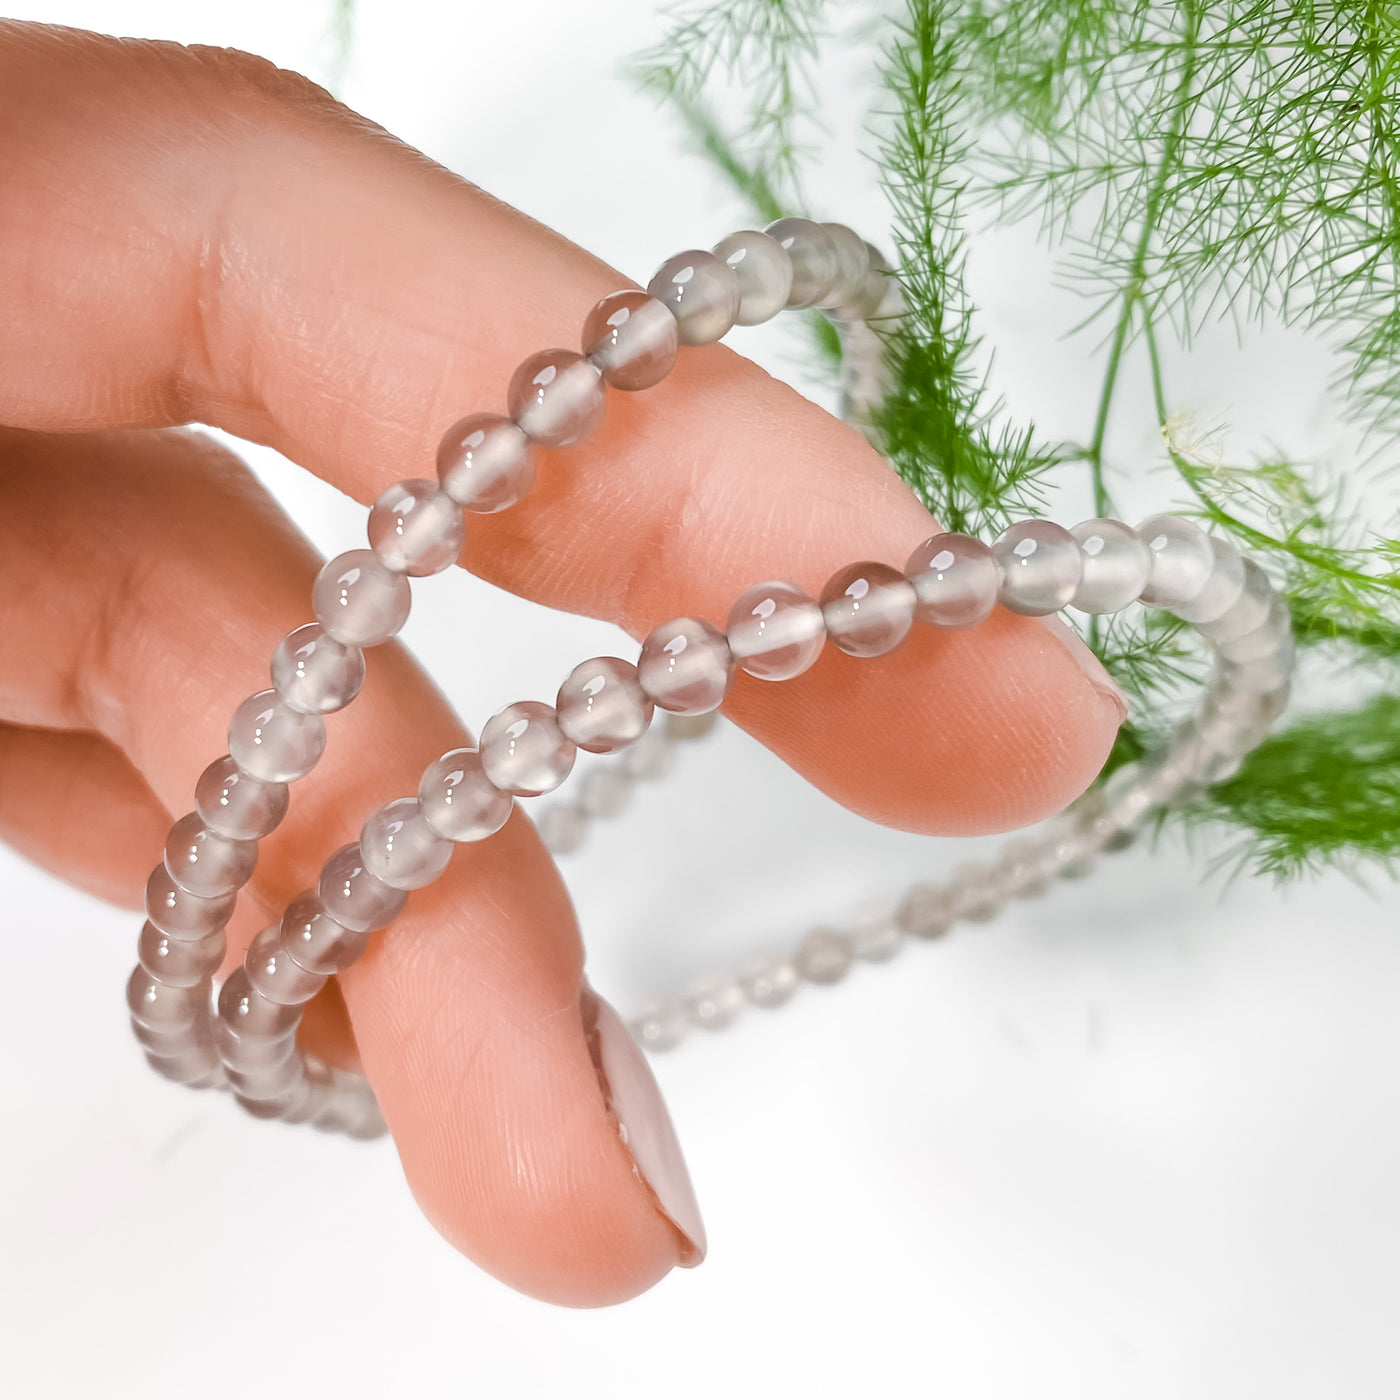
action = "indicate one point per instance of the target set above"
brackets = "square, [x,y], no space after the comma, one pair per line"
[1137,268]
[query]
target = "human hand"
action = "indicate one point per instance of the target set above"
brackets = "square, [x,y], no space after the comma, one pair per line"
[191,235]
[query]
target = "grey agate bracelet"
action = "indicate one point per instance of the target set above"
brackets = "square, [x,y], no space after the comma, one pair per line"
[243,1037]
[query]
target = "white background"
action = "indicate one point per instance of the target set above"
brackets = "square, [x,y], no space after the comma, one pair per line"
[1136,1140]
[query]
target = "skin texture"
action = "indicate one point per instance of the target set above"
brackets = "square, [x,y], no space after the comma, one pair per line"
[194,236]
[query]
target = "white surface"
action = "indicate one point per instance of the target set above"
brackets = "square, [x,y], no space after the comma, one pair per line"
[1137,1140]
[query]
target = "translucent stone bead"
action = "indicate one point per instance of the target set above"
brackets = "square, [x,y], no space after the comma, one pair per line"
[191,1063]
[180,913]
[265,1084]
[458,800]
[486,463]
[770,981]
[764,272]
[604,792]
[824,956]
[1266,639]
[1223,586]
[557,397]
[205,863]
[159,1006]
[956,581]
[315,674]
[1027,868]
[179,962]
[400,848]
[975,894]
[874,934]
[236,804]
[660,1027]
[272,971]
[686,666]
[353,897]
[812,252]
[1114,563]
[416,528]
[523,750]
[852,266]
[1262,674]
[602,707]
[250,1015]
[562,828]
[358,601]
[1041,567]
[925,912]
[1249,611]
[701,292]
[315,941]
[272,741]
[775,631]
[1182,560]
[248,1049]
[168,1042]
[651,756]
[632,338]
[714,1003]
[868,608]
[315,1092]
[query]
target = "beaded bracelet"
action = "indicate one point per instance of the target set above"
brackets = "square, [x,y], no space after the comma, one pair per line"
[245,1038]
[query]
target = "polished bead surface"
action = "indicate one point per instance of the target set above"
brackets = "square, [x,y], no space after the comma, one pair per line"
[1248,612]
[179,962]
[265,1083]
[274,742]
[875,935]
[776,631]
[459,801]
[189,1064]
[557,397]
[956,581]
[975,894]
[204,863]
[1182,560]
[602,707]
[632,338]
[812,252]
[180,914]
[159,1006]
[524,751]
[686,666]
[1114,564]
[273,972]
[355,898]
[247,1048]
[400,848]
[315,674]
[314,939]
[925,912]
[486,463]
[824,956]
[770,981]
[661,1026]
[1223,587]
[1041,567]
[358,601]
[714,1002]
[236,804]
[868,608]
[701,292]
[416,528]
[1264,640]
[250,1014]
[852,268]
[764,272]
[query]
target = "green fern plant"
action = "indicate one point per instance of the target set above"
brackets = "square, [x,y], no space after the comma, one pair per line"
[1186,163]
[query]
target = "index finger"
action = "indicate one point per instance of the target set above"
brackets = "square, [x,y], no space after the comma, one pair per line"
[192,234]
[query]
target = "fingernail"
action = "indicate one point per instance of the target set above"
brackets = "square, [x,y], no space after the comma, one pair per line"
[636,1106]
[1088,662]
